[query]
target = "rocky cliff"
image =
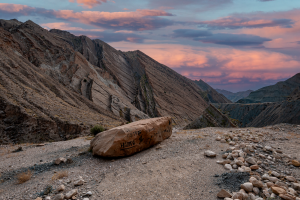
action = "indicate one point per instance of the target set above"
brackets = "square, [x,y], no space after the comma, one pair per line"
[55,85]
[274,93]
[211,94]
[234,97]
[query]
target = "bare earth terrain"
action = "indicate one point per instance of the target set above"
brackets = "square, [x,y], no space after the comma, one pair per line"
[174,169]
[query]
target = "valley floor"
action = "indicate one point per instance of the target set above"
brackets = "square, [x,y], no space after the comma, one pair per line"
[174,169]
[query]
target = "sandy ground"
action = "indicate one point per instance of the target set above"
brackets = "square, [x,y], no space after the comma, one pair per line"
[174,169]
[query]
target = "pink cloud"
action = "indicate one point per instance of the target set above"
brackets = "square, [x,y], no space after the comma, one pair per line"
[220,65]
[134,20]
[67,27]
[88,3]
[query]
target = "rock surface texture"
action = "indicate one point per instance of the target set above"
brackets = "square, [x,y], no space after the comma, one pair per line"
[132,138]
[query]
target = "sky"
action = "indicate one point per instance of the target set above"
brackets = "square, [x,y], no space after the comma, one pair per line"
[234,45]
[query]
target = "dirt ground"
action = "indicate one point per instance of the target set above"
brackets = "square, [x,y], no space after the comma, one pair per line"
[174,169]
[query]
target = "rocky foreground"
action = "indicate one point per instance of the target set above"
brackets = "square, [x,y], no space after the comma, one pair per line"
[247,163]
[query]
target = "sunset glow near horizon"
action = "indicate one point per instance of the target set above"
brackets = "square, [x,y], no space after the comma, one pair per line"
[234,45]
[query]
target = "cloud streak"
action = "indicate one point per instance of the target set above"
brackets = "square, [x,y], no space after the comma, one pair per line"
[221,38]
[88,3]
[139,20]
[244,22]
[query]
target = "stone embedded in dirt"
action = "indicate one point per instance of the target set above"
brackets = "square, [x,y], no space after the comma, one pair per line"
[268,148]
[247,187]
[295,163]
[58,197]
[132,138]
[224,162]
[228,166]
[48,198]
[223,194]
[79,182]
[39,198]
[278,190]
[70,194]
[251,160]
[218,138]
[210,154]
[60,160]
[61,188]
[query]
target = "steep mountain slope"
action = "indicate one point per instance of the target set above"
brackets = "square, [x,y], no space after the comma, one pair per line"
[55,85]
[274,93]
[35,107]
[150,86]
[234,97]
[212,95]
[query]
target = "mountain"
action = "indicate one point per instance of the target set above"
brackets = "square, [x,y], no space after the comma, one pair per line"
[55,86]
[263,114]
[274,93]
[234,97]
[211,94]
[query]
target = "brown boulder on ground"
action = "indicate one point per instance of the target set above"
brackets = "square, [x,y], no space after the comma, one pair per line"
[132,138]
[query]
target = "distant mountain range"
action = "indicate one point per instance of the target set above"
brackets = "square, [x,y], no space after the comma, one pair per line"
[234,97]
[211,94]
[274,93]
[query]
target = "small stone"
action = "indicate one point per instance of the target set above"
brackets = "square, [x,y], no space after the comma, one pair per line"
[224,156]
[251,160]
[223,141]
[273,179]
[287,197]
[223,194]
[86,199]
[296,186]
[238,195]
[239,163]
[39,198]
[268,148]
[89,193]
[61,188]
[79,182]
[210,154]
[224,162]
[292,191]
[218,138]
[258,184]
[58,197]
[59,160]
[270,184]
[228,166]
[291,179]
[295,163]
[70,194]
[254,167]
[278,190]
[256,190]
[247,169]
[276,174]
[248,187]
[48,198]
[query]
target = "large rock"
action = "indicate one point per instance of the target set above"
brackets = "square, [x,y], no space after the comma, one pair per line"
[131,138]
